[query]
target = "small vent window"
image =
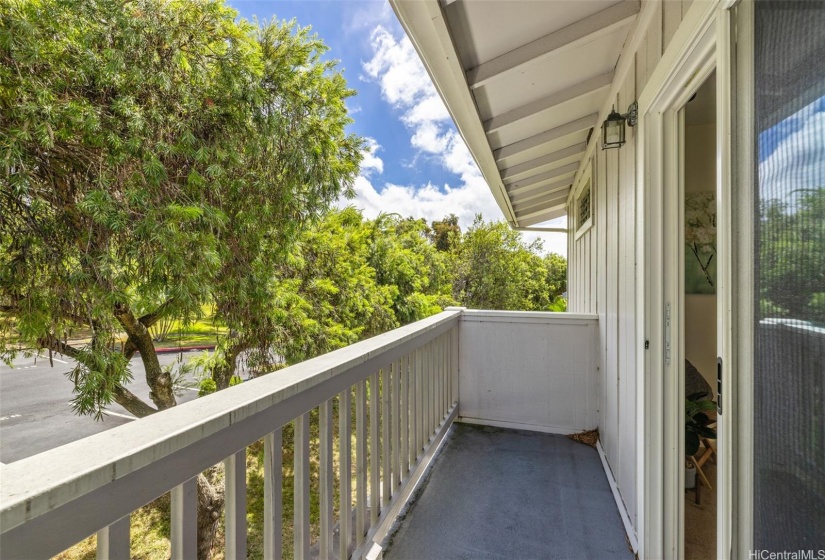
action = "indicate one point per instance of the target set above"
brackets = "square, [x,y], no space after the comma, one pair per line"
[584,207]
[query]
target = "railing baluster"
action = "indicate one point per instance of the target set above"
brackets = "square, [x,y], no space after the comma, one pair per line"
[361,461]
[404,417]
[301,489]
[444,376]
[425,405]
[113,541]
[450,349]
[345,480]
[375,470]
[273,483]
[326,489]
[386,434]
[396,424]
[430,386]
[438,371]
[454,365]
[235,520]
[419,405]
[184,520]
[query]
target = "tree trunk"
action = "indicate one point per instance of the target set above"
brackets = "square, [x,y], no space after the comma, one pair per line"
[222,373]
[159,381]
[210,507]
[128,400]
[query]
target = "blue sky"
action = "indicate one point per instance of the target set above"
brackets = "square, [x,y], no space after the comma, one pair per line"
[791,154]
[419,165]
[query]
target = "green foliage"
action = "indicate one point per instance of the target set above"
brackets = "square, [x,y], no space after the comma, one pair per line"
[496,269]
[207,386]
[792,257]
[697,422]
[157,157]
[445,233]
[235,380]
[349,278]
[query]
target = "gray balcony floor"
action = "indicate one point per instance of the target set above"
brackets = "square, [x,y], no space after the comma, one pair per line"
[495,493]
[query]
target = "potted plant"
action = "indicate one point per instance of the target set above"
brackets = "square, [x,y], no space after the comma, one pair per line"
[696,427]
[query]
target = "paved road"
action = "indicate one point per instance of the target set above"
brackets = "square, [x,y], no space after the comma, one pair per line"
[35,414]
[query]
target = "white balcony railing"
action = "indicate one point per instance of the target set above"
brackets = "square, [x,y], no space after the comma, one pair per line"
[534,370]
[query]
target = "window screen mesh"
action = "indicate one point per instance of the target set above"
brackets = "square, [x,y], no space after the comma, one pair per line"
[789,377]
[584,206]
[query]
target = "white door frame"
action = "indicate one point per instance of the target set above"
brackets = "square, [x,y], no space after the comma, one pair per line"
[700,46]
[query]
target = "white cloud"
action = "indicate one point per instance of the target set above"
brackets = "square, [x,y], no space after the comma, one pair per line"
[796,163]
[429,201]
[405,84]
[433,203]
[371,161]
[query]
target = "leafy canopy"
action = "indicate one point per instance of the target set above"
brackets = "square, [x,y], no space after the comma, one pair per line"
[157,156]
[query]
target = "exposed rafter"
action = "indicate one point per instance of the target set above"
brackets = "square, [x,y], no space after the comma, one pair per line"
[569,37]
[541,190]
[559,155]
[567,129]
[596,83]
[546,201]
[534,218]
[516,186]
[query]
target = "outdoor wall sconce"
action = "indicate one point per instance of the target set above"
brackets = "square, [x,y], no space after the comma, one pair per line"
[613,126]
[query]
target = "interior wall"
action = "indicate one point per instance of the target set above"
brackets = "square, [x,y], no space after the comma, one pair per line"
[602,262]
[700,309]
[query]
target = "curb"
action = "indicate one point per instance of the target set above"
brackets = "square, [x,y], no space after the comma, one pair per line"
[179,349]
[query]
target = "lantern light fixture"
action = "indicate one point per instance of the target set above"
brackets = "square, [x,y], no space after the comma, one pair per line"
[613,127]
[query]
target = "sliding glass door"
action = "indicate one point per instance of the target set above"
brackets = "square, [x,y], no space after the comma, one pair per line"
[788,293]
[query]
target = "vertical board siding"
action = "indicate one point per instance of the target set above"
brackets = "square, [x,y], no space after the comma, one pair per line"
[654,40]
[627,306]
[602,267]
[672,17]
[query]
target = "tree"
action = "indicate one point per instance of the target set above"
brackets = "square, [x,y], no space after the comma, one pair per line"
[157,157]
[556,267]
[792,257]
[445,233]
[496,269]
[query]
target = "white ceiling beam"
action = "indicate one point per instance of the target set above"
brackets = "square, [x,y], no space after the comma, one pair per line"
[567,129]
[596,83]
[568,169]
[541,190]
[526,167]
[540,203]
[534,218]
[584,30]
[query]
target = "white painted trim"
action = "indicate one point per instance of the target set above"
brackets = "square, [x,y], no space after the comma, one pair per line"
[628,526]
[688,60]
[725,283]
[586,179]
[519,426]
[544,317]
[739,380]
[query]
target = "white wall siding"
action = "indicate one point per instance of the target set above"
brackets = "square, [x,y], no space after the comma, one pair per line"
[531,370]
[602,272]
